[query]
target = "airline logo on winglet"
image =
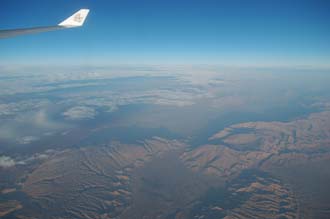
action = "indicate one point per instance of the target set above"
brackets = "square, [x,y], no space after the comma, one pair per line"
[78,18]
[75,20]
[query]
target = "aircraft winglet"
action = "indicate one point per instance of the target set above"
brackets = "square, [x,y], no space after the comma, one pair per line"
[75,20]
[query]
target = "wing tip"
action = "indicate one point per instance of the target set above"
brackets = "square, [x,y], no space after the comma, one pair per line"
[75,20]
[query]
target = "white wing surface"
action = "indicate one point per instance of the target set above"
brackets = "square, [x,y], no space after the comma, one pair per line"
[75,20]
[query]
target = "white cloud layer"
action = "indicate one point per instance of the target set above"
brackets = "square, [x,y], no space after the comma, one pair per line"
[6,161]
[80,112]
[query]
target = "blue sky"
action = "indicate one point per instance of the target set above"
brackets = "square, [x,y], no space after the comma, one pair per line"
[231,32]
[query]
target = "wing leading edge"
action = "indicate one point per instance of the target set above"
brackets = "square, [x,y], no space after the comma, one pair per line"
[75,20]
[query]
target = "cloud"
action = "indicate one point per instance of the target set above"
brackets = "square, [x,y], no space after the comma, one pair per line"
[15,108]
[80,112]
[35,157]
[28,139]
[6,162]
[38,122]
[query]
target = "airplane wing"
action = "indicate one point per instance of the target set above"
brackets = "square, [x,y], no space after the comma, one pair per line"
[75,20]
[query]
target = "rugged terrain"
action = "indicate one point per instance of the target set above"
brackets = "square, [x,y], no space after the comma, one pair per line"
[244,172]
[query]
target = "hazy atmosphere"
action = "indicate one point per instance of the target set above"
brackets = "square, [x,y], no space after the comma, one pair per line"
[166,109]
